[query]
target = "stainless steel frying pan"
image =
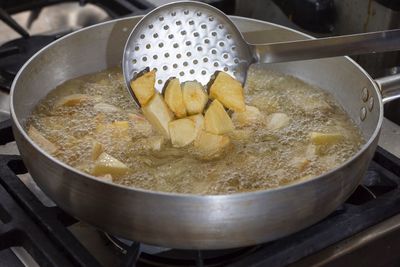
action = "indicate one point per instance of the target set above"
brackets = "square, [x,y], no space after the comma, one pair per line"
[193,221]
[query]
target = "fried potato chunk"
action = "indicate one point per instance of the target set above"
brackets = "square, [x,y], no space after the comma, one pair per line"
[39,139]
[143,87]
[228,91]
[217,120]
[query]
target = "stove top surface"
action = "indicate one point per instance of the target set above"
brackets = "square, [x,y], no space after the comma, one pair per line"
[35,232]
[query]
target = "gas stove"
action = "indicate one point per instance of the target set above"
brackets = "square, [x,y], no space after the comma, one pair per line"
[364,231]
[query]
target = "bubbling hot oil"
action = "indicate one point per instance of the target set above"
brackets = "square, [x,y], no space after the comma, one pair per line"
[264,159]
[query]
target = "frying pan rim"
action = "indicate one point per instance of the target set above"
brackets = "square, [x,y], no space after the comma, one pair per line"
[252,194]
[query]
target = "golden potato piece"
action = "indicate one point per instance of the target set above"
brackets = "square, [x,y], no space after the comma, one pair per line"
[143,87]
[182,132]
[158,114]
[194,97]
[106,177]
[228,91]
[105,108]
[121,125]
[211,145]
[325,138]
[97,149]
[155,143]
[198,120]
[277,121]
[106,164]
[72,100]
[300,163]
[250,116]
[174,98]
[39,139]
[140,125]
[216,120]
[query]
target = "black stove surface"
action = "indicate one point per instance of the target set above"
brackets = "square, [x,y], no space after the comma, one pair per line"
[15,53]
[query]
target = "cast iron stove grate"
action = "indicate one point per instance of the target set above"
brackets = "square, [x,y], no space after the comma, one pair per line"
[42,231]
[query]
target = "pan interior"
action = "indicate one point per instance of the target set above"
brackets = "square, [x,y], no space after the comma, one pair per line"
[62,61]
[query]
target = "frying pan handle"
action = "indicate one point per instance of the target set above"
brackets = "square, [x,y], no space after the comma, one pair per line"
[389,87]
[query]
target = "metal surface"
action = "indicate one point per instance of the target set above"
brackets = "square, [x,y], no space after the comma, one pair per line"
[181,220]
[376,246]
[343,17]
[176,39]
[188,40]
[390,87]
[356,44]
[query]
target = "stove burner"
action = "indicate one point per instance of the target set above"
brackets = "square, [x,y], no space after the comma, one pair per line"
[15,53]
[145,255]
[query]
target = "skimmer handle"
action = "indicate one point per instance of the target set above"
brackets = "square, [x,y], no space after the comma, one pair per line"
[355,44]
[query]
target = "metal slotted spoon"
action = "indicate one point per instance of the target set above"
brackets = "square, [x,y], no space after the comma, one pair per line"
[192,40]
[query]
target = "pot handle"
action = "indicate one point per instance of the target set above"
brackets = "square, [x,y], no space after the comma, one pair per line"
[389,87]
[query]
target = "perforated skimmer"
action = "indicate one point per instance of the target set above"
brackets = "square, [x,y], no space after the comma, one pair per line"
[192,40]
